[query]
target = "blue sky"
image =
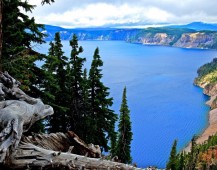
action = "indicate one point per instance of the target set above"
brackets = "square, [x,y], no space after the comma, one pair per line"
[95,13]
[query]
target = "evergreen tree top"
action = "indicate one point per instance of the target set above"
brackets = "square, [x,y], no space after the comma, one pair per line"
[124,107]
[47,1]
[19,30]
[124,132]
[172,163]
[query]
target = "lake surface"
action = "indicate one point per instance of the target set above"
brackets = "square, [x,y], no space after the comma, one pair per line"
[164,103]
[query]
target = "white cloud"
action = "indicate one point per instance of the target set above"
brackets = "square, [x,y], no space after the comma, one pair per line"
[86,13]
[157,15]
[106,14]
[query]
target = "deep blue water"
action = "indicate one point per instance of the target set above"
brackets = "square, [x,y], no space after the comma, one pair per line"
[164,103]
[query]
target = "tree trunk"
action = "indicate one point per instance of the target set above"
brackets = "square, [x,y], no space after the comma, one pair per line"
[29,156]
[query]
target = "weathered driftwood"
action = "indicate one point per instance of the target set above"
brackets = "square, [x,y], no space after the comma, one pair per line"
[17,116]
[64,142]
[31,156]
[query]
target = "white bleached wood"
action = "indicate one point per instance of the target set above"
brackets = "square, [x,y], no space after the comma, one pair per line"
[17,116]
[33,156]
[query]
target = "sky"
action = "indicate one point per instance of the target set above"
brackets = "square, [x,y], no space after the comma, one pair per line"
[122,13]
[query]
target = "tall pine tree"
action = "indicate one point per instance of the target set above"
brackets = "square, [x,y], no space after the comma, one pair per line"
[20,23]
[19,31]
[172,163]
[124,132]
[180,161]
[193,154]
[55,85]
[102,117]
[75,80]
[86,107]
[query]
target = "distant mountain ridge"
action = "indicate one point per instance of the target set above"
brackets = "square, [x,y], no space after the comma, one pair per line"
[194,35]
[198,26]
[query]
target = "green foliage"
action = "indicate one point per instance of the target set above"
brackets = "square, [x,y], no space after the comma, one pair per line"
[172,163]
[54,85]
[207,74]
[124,132]
[180,161]
[74,81]
[207,68]
[81,102]
[192,159]
[47,1]
[113,143]
[17,57]
[201,156]
[19,31]
[102,118]
[86,108]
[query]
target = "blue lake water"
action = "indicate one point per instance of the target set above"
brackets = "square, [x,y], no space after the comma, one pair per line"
[164,103]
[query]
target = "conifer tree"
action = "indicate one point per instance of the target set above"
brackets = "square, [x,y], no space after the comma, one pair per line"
[19,26]
[193,154]
[54,84]
[86,107]
[18,30]
[172,163]
[75,80]
[181,161]
[124,132]
[102,117]
[47,1]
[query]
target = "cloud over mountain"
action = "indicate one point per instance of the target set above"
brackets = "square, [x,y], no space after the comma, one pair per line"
[87,13]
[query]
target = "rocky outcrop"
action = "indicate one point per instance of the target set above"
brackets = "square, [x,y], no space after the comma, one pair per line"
[200,40]
[210,89]
[213,104]
[157,39]
[196,40]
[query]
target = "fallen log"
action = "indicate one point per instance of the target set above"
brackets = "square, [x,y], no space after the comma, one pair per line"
[29,156]
[63,142]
